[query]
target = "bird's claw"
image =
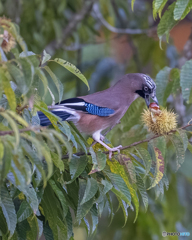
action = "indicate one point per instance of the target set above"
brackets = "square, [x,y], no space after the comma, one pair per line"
[102,138]
[115,149]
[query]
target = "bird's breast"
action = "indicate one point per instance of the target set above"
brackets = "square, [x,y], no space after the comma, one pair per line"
[91,123]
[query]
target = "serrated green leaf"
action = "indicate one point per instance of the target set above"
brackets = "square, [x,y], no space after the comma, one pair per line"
[118,182]
[51,140]
[160,143]
[162,79]
[187,9]
[3,223]
[72,68]
[26,54]
[46,153]
[47,232]
[1,153]
[34,228]
[142,191]
[8,90]
[132,116]
[186,83]
[57,161]
[110,208]
[14,237]
[63,140]
[16,177]
[31,198]
[52,212]
[43,78]
[77,166]
[120,195]
[13,126]
[19,77]
[7,157]
[57,82]
[159,168]
[101,162]
[62,229]
[46,57]
[158,6]
[132,4]
[180,8]
[165,181]
[93,156]
[129,166]
[27,69]
[34,157]
[124,207]
[17,118]
[115,167]
[40,226]
[94,217]
[78,137]
[69,225]
[33,140]
[21,229]
[8,209]
[189,147]
[159,190]
[179,148]
[175,77]
[60,196]
[66,129]
[167,22]
[83,209]
[167,92]
[183,135]
[145,156]
[107,186]
[90,190]
[86,225]
[24,211]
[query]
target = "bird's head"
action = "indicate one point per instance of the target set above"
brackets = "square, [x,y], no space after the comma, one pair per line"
[146,88]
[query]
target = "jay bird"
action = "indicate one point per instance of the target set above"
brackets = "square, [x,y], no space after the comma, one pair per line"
[95,112]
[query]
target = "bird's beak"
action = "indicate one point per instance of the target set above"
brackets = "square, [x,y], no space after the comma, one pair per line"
[154,98]
[147,99]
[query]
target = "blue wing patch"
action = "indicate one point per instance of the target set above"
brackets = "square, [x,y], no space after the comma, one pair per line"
[80,105]
[99,111]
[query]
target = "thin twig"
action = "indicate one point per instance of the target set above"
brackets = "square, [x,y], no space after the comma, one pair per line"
[133,144]
[10,132]
[73,22]
[20,109]
[114,29]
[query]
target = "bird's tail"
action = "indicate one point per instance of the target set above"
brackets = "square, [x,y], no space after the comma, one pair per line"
[44,121]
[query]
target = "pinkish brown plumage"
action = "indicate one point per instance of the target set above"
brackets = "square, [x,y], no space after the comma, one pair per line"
[95,112]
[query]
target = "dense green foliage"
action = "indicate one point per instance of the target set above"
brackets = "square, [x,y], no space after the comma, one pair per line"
[51,179]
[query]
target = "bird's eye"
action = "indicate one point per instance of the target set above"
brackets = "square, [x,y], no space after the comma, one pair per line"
[146,89]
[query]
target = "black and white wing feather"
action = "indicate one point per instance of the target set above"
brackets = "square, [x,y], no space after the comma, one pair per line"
[68,110]
[80,105]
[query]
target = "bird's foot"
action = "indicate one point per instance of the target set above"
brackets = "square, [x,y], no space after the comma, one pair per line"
[102,138]
[115,149]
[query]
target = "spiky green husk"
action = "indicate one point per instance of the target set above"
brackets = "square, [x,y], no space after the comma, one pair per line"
[161,123]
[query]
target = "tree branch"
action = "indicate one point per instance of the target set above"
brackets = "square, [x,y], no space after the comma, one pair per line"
[75,19]
[133,144]
[114,29]
[3,133]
